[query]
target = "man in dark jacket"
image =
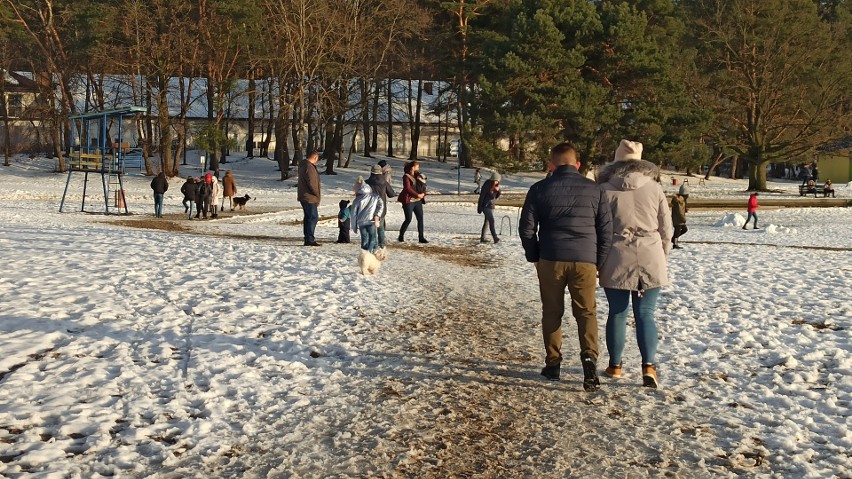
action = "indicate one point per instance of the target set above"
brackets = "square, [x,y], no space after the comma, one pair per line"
[160,185]
[566,230]
[380,186]
[203,190]
[308,194]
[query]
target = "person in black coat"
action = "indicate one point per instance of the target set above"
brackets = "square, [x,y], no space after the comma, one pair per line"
[188,190]
[203,190]
[379,184]
[160,185]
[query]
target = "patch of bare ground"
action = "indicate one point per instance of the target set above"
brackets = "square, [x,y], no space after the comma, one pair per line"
[461,255]
[298,222]
[153,224]
[817,325]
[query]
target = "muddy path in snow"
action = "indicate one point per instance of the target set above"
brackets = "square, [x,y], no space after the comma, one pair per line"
[471,402]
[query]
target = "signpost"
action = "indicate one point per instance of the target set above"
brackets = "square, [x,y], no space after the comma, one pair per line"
[459,164]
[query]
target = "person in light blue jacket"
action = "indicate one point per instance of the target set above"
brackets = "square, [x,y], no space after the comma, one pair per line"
[366,213]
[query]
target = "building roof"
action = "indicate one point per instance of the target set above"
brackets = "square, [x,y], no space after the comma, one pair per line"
[16,83]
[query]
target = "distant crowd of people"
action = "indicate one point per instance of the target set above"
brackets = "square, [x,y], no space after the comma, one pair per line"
[199,192]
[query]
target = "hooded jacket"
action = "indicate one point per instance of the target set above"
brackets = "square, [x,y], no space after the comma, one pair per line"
[214,188]
[641,227]
[566,218]
[367,205]
[381,187]
[188,190]
[487,197]
[229,185]
[678,211]
[160,184]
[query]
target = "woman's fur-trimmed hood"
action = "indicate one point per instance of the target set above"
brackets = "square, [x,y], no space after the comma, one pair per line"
[629,174]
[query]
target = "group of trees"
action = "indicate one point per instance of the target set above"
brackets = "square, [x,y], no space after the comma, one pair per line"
[696,81]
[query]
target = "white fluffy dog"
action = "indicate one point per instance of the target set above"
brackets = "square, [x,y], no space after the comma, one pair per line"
[381,254]
[369,263]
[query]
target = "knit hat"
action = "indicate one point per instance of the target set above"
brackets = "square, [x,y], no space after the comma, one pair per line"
[628,150]
[383,163]
[208,178]
[496,176]
[376,170]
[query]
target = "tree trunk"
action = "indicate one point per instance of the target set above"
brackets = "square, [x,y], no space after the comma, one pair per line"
[329,149]
[164,126]
[281,134]
[718,159]
[374,144]
[365,119]
[352,144]
[735,167]
[390,117]
[757,169]
[415,135]
[252,99]
[295,132]
[148,144]
[7,135]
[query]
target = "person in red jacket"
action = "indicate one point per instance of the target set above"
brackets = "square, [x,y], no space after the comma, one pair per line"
[752,210]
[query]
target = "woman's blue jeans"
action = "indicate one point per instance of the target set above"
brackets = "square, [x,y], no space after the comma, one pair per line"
[616,323]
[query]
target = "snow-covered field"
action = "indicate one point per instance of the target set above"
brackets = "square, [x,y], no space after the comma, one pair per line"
[135,347]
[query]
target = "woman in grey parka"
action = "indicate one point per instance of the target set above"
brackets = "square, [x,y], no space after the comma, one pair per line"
[636,264]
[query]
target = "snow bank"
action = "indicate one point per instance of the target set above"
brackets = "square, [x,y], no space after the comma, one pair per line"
[731,220]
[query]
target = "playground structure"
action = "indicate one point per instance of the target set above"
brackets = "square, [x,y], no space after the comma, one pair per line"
[108,158]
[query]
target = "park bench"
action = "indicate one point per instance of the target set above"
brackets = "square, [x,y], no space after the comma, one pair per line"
[816,190]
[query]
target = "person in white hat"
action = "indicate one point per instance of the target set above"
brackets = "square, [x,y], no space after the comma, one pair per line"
[636,264]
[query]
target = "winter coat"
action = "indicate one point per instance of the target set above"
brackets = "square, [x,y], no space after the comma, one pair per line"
[487,197]
[683,190]
[188,190]
[566,218]
[678,211]
[160,184]
[387,172]
[202,191]
[381,187]
[214,188]
[641,227]
[344,214]
[366,207]
[409,193]
[308,186]
[229,185]
[752,204]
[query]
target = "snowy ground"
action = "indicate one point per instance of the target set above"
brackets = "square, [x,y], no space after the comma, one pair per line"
[139,348]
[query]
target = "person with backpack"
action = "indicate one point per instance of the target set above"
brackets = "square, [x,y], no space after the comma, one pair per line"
[412,197]
[160,185]
[485,206]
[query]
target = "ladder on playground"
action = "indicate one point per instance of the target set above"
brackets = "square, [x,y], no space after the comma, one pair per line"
[115,187]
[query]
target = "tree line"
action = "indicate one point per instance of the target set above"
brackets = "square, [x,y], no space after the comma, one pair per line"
[696,81]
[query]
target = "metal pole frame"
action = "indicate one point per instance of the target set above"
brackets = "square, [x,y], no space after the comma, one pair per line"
[459,164]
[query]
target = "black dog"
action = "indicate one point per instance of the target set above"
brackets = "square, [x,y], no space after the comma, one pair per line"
[240,201]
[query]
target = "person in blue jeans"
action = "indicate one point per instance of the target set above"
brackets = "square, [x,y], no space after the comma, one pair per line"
[160,185]
[366,212]
[636,266]
[644,307]
[309,195]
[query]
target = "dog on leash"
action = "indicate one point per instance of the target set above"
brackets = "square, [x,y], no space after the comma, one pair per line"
[369,263]
[240,201]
